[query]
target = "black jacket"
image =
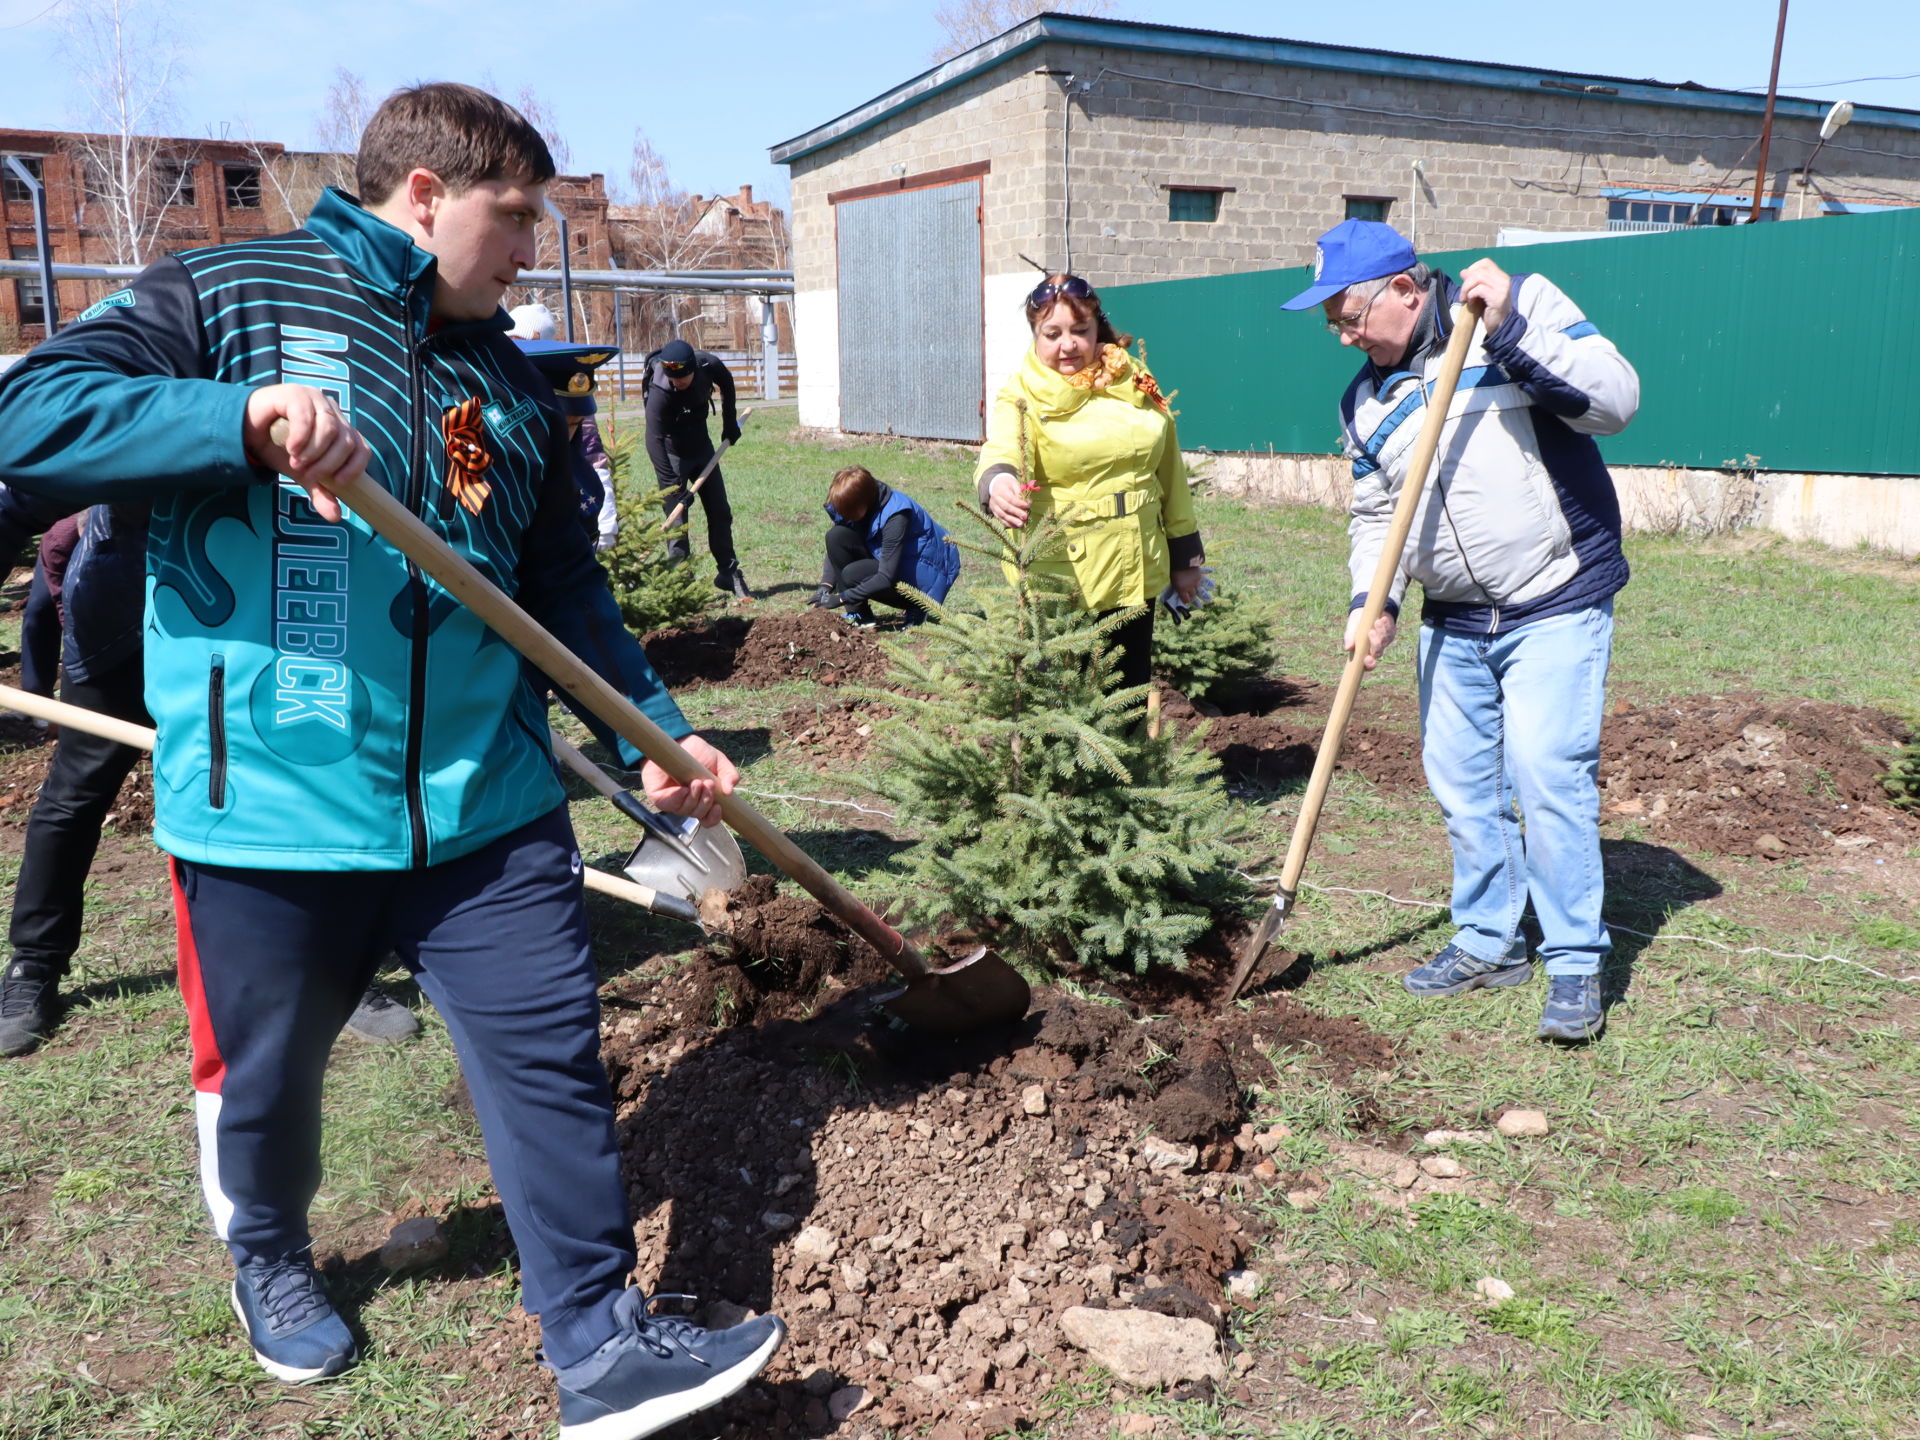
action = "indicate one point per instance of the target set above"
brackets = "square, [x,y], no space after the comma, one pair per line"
[677,419]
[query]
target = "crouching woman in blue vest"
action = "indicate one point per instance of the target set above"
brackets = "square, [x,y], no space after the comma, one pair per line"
[881,539]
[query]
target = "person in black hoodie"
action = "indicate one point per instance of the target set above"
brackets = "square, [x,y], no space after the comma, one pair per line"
[681,383]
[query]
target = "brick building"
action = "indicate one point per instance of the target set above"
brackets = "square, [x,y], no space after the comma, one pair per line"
[211,192]
[720,232]
[1140,152]
[203,192]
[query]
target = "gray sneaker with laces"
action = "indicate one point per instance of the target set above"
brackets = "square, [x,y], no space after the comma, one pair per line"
[1573,1010]
[382,1020]
[1454,972]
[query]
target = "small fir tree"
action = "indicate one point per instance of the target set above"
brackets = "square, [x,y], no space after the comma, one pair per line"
[1902,780]
[652,589]
[1225,642]
[1049,818]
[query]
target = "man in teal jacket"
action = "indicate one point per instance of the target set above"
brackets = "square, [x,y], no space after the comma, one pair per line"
[350,763]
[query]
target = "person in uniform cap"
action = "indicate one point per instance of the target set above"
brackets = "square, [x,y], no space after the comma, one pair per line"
[569,370]
[680,386]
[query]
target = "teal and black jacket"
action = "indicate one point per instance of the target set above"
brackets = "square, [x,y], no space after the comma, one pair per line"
[321,704]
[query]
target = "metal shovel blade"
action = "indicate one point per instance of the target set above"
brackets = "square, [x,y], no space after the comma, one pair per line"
[679,856]
[980,990]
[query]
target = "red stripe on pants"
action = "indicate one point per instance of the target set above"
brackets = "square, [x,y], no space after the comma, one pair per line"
[209,1069]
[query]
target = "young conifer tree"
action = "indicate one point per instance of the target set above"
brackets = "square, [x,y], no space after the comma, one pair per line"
[653,590]
[1226,641]
[1049,818]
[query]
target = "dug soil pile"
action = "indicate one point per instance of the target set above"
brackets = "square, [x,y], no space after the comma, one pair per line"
[1741,775]
[922,1210]
[768,647]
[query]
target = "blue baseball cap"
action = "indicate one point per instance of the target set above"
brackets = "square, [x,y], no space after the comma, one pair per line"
[1354,250]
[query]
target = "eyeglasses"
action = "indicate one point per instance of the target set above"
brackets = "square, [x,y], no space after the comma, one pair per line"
[1346,324]
[1046,292]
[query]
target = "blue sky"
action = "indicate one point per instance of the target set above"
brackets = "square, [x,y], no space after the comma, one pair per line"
[715,82]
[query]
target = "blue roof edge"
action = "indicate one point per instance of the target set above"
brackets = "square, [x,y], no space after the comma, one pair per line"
[1306,54]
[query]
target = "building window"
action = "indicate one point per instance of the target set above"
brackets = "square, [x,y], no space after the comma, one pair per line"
[1367,207]
[243,186]
[173,182]
[1655,215]
[29,294]
[16,190]
[1198,206]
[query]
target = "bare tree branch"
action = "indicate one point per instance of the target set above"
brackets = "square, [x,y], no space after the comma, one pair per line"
[124,58]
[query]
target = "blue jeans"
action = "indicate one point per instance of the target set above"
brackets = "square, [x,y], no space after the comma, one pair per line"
[1516,717]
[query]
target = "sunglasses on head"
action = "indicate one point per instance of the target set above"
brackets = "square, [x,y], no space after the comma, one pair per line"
[1046,292]
[675,370]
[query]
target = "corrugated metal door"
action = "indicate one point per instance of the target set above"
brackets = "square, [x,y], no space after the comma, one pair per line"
[910,313]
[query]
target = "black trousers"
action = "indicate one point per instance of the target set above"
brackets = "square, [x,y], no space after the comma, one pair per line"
[1135,639]
[39,637]
[63,832]
[688,463]
[849,563]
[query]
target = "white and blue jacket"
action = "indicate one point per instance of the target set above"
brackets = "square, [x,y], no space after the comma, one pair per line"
[1521,521]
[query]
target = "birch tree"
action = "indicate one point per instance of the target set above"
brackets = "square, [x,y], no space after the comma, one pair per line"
[124,59]
[968,23]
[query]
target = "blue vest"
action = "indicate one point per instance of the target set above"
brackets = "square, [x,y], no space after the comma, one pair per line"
[929,563]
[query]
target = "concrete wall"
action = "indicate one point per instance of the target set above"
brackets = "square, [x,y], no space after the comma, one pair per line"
[1215,122]
[1881,512]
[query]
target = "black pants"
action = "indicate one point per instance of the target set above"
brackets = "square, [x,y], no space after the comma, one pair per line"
[63,832]
[39,637]
[687,463]
[850,563]
[1135,639]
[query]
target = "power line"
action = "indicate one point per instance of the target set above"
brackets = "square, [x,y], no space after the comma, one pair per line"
[22,24]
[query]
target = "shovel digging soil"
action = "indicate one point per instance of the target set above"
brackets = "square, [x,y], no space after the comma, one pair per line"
[980,990]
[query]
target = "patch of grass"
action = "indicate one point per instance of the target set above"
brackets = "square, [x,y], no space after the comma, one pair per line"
[1335,1367]
[1408,1330]
[1537,1321]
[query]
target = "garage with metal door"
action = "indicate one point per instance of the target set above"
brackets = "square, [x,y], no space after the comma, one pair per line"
[909,263]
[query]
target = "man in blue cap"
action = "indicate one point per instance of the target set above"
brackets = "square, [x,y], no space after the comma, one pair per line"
[1516,546]
[569,369]
[681,384]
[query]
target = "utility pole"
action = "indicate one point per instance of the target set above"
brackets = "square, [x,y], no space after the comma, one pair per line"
[1766,126]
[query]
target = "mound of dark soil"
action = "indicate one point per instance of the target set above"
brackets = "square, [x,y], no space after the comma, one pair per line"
[765,648]
[1742,775]
[921,1210]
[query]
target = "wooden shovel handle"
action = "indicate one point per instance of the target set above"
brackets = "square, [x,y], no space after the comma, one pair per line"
[1439,401]
[140,737]
[403,530]
[679,511]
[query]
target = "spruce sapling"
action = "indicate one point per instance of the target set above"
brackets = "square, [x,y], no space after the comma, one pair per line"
[1223,643]
[652,589]
[1049,818]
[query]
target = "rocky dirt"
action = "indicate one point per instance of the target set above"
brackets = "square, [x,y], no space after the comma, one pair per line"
[922,1211]
[765,648]
[1739,775]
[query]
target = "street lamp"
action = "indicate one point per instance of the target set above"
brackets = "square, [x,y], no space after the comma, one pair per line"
[1838,115]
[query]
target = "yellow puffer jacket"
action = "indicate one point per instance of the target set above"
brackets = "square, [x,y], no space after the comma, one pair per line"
[1106,458]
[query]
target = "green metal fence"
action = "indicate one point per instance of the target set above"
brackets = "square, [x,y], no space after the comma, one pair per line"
[1797,342]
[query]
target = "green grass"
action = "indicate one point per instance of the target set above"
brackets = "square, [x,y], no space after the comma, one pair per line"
[1716,1238]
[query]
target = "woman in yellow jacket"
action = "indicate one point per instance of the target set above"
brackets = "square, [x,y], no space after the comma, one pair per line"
[1101,452]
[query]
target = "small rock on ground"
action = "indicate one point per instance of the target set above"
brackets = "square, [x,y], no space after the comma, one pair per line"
[1523,1124]
[1144,1349]
[414,1245]
[1493,1290]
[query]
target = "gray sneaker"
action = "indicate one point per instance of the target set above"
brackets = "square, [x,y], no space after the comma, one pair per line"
[1573,1011]
[379,1019]
[29,993]
[1454,972]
